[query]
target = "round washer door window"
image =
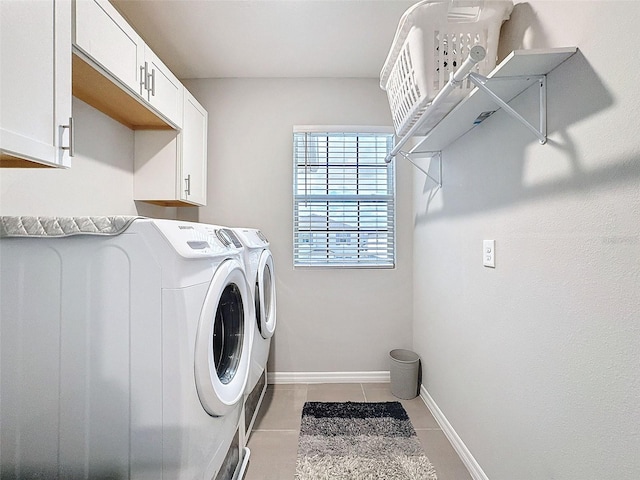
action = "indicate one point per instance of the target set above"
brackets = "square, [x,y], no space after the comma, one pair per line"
[266,295]
[228,332]
[223,340]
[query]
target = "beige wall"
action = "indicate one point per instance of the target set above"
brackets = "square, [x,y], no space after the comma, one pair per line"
[535,364]
[329,320]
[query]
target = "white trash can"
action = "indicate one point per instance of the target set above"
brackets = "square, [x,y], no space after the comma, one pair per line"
[404,373]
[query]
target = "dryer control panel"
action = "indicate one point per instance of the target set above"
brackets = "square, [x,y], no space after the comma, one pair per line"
[193,240]
[252,237]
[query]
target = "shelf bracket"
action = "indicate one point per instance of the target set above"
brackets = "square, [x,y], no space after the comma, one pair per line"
[541,133]
[423,169]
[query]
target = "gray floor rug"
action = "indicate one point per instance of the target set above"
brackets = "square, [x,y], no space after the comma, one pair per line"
[359,441]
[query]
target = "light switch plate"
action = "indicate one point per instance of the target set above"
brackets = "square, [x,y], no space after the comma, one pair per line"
[489,253]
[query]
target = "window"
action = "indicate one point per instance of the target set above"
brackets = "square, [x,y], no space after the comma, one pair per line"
[344,199]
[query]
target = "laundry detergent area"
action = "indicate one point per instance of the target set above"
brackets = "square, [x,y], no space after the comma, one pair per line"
[304,239]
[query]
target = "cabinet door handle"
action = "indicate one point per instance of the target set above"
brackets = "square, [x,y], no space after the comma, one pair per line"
[187,188]
[153,82]
[143,78]
[72,137]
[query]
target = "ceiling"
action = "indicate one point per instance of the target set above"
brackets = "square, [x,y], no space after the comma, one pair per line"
[267,38]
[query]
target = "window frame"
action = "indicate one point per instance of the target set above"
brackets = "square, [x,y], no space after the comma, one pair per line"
[390,261]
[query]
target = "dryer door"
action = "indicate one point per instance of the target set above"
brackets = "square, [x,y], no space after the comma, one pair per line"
[223,340]
[266,295]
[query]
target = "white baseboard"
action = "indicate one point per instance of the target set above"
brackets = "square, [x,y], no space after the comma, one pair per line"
[465,455]
[328,377]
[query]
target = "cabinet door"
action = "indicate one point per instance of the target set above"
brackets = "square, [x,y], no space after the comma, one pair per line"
[35,92]
[164,89]
[170,168]
[194,151]
[105,36]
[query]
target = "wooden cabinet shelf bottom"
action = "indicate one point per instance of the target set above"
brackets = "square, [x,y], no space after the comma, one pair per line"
[94,88]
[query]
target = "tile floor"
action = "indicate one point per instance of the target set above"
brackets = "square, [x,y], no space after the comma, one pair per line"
[274,441]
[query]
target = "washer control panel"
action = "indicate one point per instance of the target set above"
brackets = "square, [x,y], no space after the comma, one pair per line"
[194,240]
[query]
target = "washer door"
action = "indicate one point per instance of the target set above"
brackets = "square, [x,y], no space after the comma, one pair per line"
[266,295]
[223,340]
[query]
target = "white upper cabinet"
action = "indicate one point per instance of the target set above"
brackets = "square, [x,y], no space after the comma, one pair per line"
[163,89]
[117,73]
[171,167]
[104,40]
[194,150]
[35,93]
[108,40]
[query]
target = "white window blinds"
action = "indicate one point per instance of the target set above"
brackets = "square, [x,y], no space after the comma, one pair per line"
[344,199]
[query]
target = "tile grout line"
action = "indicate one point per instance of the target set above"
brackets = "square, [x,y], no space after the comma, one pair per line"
[276,430]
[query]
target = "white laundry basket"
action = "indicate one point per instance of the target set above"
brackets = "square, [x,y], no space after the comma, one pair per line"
[433,39]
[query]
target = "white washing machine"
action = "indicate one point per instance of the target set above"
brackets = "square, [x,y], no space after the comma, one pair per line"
[125,355]
[259,266]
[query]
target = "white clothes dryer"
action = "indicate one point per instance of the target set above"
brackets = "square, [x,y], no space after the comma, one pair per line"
[259,265]
[124,353]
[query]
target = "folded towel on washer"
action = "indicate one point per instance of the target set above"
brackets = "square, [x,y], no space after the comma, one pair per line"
[29,226]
